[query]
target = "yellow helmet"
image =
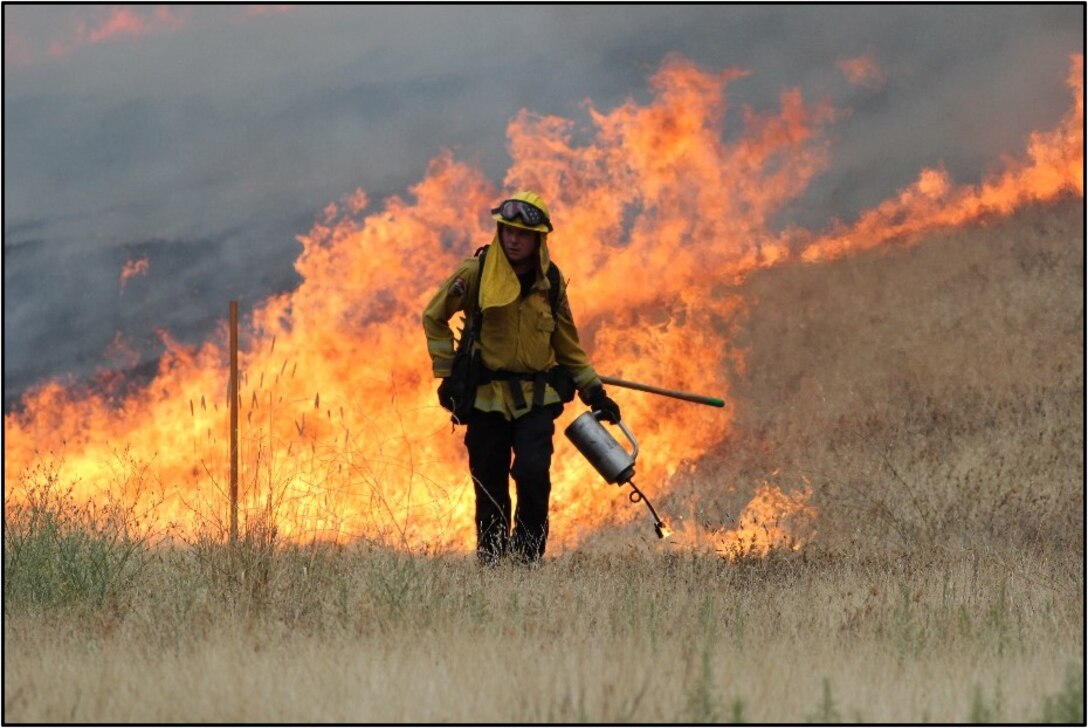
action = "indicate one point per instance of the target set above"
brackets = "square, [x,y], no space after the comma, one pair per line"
[525,210]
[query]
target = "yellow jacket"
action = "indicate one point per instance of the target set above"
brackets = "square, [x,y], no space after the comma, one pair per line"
[518,334]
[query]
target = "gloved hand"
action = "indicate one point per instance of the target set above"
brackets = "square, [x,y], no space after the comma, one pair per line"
[598,400]
[445,397]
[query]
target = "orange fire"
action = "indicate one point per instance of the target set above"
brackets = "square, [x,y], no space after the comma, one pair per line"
[340,433]
[113,23]
[772,520]
[132,268]
[863,70]
[1054,166]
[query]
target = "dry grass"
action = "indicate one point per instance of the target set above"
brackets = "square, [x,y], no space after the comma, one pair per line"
[932,396]
[358,636]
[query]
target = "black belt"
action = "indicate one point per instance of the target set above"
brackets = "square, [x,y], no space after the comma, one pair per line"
[513,380]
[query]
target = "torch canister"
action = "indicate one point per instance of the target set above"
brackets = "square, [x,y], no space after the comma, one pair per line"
[603,452]
[607,456]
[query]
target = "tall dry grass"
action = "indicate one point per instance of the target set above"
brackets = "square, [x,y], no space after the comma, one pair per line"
[931,396]
[330,635]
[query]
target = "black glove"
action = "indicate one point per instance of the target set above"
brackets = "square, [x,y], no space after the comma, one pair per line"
[598,400]
[445,396]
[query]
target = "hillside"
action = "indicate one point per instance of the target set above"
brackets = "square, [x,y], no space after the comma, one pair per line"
[931,397]
[930,394]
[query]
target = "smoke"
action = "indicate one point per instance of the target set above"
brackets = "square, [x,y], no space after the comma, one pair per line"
[209,139]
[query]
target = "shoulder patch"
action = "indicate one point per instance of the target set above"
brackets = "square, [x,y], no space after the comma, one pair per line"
[458,286]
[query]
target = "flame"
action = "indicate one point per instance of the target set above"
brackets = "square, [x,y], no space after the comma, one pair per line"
[1054,166]
[132,268]
[772,520]
[109,24]
[340,434]
[114,23]
[863,70]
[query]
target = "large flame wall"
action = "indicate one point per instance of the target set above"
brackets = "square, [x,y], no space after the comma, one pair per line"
[341,436]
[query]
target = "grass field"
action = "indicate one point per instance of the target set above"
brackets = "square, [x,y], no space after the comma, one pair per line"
[932,397]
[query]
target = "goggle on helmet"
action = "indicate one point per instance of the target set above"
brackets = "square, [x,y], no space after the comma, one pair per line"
[531,216]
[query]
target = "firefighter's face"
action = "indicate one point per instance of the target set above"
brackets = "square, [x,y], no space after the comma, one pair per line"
[519,245]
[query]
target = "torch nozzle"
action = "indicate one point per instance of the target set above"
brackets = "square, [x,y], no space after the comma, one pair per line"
[637,495]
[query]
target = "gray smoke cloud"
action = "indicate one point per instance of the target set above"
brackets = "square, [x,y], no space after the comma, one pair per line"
[205,138]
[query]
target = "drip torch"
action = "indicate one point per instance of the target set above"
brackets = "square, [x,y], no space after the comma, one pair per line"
[608,457]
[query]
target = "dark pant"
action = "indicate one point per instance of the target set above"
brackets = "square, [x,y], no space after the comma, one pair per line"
[491,440]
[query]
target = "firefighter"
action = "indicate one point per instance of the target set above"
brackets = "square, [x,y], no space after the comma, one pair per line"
[530,363]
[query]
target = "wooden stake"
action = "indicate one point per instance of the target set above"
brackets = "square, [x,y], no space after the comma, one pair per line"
[233,422]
